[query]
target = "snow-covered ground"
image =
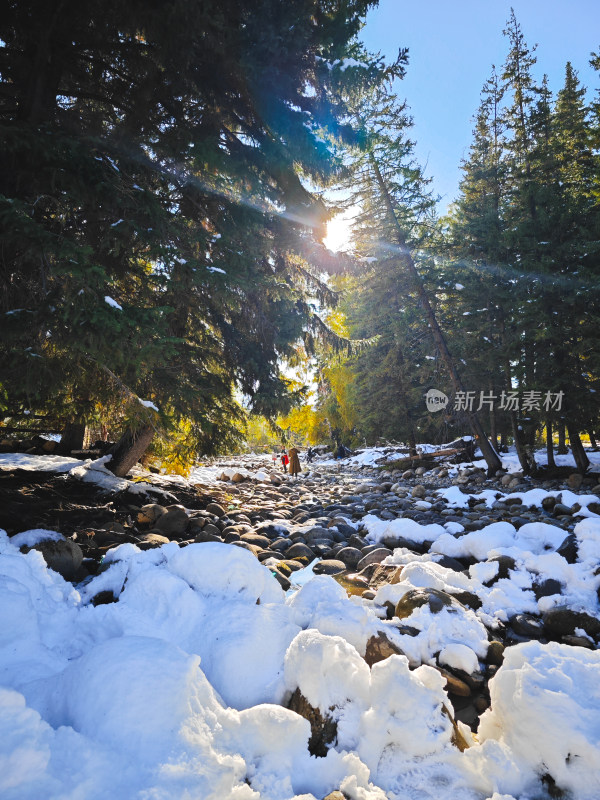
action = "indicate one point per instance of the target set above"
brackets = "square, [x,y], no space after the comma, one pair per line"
[178,689]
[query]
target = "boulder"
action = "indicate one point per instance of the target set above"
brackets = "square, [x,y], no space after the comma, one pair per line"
[323,729]
[173,522]
[63,556]
[419,491]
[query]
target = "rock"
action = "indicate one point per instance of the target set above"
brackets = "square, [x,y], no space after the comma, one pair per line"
[379,647]
[527,625]
[215,509]
[335,796]
[103,598]
[149,540]
[323,729]
[594,507]
[495,653]
[299,550]
[453,684]
[374,557]
[256,539]
[561,621]
[469,599]
[548,502]
[211,529]
[350,556]
[415,598]
[574,481]
[451,563]
[505,564]
[63,556]
[329,566]
[569,549]
[506,479]
[579,641]
[419,491]
[282,579]
[205,536]
[561,510]
[381,574]
[237,477]
[148,514]
[546,588]
[173,522]
[408,473]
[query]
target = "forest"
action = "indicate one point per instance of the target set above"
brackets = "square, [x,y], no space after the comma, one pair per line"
[167,172]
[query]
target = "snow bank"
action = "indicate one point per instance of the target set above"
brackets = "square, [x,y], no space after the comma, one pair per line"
[543,720]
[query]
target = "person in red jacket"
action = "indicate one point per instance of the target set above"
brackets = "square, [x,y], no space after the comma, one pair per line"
[284,459]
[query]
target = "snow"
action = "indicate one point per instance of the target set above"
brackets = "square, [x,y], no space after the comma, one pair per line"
[148,404]
[544,712]
[112,303]
[38,463]
[178,689]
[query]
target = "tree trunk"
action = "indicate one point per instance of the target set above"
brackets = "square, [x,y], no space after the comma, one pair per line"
[491,456]
[593,442]
[412,442]
[562,444]
[549,448]
[129,449]
[493,426]
[72,437]
[579,454]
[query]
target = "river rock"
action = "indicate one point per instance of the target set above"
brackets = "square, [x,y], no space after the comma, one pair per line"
[374,557]
[495,653]
[63,556]
[300,550]
[527,625]
[379,647]
[329,566]
[574,481]
[323,729]
[561,621]
[350,556]
[152,539]
[419,491]
[569,549]
[215,509]
[415,598]
[148,514]
[546,588]
[173,522]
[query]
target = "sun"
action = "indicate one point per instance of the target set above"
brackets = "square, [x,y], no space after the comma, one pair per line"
[339,231]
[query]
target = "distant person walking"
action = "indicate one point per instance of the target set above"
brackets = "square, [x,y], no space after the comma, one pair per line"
[284,459]
[294,462]
[310,455]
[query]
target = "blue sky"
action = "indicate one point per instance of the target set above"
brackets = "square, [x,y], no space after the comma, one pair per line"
[452,46]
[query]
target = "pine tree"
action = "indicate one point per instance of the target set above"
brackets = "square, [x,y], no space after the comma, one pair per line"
[159,156]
